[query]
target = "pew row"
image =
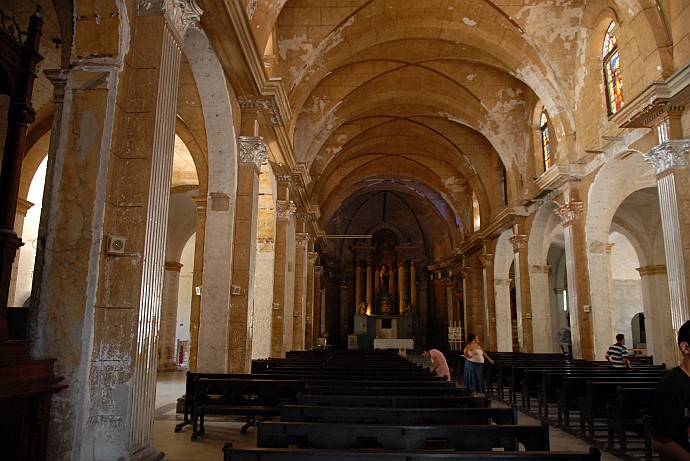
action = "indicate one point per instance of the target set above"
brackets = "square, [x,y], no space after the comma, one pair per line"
[272,434]
[296,454]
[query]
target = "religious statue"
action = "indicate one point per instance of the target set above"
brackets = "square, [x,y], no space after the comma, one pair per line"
[362,308]
[384,278]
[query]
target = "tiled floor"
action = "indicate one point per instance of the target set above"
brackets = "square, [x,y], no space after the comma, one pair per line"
[179,447]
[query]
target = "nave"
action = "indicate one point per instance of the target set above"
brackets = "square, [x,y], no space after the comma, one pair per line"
[222,429]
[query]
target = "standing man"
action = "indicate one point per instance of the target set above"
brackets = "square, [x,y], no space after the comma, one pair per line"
[618,353]
[671,410]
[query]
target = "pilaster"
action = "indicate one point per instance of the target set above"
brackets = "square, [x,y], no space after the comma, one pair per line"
[285,209]
[300,299]
[168,326]
[523,303]
[489,338]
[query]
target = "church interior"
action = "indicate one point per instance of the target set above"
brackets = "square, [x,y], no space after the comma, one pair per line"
[206,183]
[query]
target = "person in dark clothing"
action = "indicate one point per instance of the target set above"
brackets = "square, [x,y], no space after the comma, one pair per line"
[671,409]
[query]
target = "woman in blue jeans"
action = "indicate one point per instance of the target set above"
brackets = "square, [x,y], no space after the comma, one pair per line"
[474,364]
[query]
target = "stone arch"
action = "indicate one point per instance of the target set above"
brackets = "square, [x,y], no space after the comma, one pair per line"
[216,101]
[626,173]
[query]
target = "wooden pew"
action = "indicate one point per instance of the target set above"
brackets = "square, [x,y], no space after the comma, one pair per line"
[627,413]
[395,401]
[598,396]
[389,415]
[435,383]
[309,454]
[190,380]
[574,386]
[378,390]
[272,434]
[247,397]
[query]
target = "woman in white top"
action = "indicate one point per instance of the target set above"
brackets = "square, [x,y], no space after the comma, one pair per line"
[474,365]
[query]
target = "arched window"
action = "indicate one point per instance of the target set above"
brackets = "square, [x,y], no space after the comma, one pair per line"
[612,72]
[545,140]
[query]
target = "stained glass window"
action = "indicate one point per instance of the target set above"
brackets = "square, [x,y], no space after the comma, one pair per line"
[545,140]
[612,72]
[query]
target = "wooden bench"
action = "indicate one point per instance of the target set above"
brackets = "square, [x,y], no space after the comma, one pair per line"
[379,390]
[272,434]
[388,415]
[295,454]
[435,383]
[627,413]
[248,397]
[574,386]
[598,396]
[395,401]
[190,380]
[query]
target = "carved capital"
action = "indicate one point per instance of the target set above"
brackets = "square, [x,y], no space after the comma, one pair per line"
[569,213]
[465,272]
[173,266]
[253,150]
[648,271]
[201,204]
[487,260]
[251,8]
[301,240]
[519,242]
[285,209]
[668,155]
[182,14]
[312,256]
[265,107]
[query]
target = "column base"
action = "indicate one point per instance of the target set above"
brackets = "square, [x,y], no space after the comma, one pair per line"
[147,454]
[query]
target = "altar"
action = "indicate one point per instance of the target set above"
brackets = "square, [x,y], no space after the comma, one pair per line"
[385,332]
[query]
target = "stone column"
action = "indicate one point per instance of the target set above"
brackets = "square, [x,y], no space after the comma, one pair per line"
[253,152]
[656,300]
[197,280]
[670,160]
[544,332]
[316,320]
[284,211]
[489,335]
[524,305]
[167,353]
[23,207]
[344,312]
[377,283]
[370,290]
[113,170]
[309,316]
[358,284]
[440,316]
[300,300]
[391,283]
[503,322]
[401,287]
[578,279]
[413,284]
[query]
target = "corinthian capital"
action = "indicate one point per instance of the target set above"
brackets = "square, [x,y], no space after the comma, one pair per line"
[669,154]
[569,213]
[253,150]
[486,259]
[285,209]
[182,14]
[519,242]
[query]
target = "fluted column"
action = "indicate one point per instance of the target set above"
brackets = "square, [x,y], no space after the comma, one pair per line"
[670,160]
[578,279]
[300,300]
[370,289]
[523,303]
[317,321]
[284,211]
[401,287]
[168,329]
[413,284]
[309,317]
[358,284]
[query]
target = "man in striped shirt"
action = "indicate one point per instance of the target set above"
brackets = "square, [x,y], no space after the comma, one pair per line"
[618,353]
